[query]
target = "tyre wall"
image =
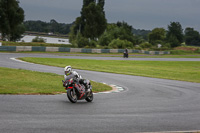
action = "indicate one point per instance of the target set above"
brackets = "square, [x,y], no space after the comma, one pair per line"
[75,50]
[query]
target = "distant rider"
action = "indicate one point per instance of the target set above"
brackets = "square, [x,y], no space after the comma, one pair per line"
[126,53]
[68,71]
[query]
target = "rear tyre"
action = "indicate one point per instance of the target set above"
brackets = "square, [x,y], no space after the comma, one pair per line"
[89,98]
[72,97]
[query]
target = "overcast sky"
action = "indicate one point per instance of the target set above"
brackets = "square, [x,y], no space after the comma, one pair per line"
[141,14]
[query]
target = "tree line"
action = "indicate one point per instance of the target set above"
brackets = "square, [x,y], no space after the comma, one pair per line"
[174,35]
[53,26]
[91,29]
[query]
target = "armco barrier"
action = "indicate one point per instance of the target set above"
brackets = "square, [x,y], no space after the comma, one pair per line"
[120,51]
[42,49]
[86,50]
[52,49]
[105,50]
[96,50]
[23,48]
[63,49]
[114,51]
[75,50]
[7,48]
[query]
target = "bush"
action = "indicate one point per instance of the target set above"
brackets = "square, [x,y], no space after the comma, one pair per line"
[122,44]
[197,51]
[166,46]
[181,52]
[38,39]
[138,48]
[174,42]
[93,44]
[120,30]
[105,39]
[145,45]
[82,42]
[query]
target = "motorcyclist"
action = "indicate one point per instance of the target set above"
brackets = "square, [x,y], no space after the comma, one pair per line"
[126,53]
[68,71]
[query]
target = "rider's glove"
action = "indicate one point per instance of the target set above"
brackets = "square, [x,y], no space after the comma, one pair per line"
[64,84]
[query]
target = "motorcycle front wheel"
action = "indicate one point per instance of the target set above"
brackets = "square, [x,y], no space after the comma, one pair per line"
[89,98]
[71,96]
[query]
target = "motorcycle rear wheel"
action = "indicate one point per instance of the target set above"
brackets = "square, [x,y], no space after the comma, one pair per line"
[90,97]
[72,97]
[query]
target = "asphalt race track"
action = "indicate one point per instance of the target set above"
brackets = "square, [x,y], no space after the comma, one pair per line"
[146,104]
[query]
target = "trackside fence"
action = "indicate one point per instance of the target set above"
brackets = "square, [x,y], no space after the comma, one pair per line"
[75,50]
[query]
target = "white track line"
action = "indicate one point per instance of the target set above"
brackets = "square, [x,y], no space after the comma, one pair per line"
[20,60]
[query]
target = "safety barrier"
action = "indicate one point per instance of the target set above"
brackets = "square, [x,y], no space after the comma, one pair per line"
[75,50]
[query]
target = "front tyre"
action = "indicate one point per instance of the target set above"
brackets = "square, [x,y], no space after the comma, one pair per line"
[71,96]
[89,98]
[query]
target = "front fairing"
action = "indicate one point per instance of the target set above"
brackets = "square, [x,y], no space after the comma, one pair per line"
[79,88]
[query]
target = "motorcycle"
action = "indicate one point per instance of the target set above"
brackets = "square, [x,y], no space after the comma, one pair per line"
[77,91]
[125,55]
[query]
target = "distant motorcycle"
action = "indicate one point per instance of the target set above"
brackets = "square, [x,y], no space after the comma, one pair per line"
[76,91]
[126,53]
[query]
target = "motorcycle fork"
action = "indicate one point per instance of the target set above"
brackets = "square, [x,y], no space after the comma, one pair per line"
[74,90]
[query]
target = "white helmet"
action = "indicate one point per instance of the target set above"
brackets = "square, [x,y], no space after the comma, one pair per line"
[67,70]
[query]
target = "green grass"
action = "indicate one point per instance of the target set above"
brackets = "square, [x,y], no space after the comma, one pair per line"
[184,52]
[131,55]
[5,43]
[17,81]
[175,70]
[169,56]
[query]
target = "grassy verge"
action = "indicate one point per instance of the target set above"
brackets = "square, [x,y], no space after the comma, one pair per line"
[34,44]
[131,55]
[179,70]
[16,81]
